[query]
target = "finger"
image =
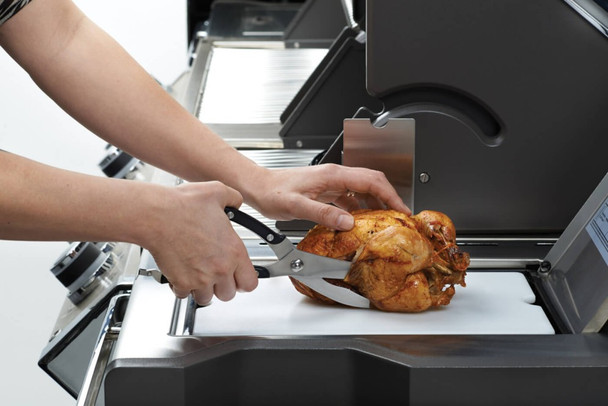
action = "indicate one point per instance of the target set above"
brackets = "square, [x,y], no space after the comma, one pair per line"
[180,293]
[202,296]
[246,279]
[225,288]
[353,201]
[232,198]
[373,202]
[367,181]
[327,215]
[348,203]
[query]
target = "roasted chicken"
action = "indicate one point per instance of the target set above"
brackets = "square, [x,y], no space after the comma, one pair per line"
[400,263]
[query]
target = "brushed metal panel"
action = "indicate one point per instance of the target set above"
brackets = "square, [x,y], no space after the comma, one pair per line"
[389,149]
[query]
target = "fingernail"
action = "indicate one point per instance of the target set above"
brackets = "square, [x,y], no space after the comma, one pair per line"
[345,222]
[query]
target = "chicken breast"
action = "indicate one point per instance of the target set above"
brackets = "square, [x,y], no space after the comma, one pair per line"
[400,263]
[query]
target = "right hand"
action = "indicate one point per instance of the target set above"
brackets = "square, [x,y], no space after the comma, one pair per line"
[195,246]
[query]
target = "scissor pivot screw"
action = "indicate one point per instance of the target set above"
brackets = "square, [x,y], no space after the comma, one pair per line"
[297,265]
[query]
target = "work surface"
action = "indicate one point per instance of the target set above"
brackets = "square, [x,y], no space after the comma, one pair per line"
[492,303]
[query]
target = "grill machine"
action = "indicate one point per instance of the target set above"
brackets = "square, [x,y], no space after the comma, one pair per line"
[498,106]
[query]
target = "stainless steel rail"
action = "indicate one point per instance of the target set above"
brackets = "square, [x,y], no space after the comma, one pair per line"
[99,360]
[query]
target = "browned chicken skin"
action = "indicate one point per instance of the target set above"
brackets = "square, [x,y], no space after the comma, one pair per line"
[400,263]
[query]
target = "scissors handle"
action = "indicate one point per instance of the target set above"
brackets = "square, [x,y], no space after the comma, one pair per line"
[244,219]
[262,271]
[268,235]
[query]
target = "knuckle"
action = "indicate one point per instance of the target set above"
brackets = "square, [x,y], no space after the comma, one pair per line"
[332,170]
[202,297]
[253,284]
[377,175]
[181,290]
[249,283]
[176,283]
[225,295]
[216,267]
[331,167]
[202,280]
[180,294]
[216,186]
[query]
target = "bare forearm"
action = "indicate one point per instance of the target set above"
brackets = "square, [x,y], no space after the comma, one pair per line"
[98,83]
[183,227]
[39,202]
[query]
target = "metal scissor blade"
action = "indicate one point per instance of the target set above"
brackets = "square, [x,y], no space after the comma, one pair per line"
[290,260]
[335,293]
[310,269]
[301,263]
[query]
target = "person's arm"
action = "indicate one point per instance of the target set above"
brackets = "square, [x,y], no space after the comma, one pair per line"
[98,83]
[91,77]
[185,228]
[94,79]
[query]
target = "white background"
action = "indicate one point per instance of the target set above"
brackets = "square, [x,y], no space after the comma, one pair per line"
[154,32]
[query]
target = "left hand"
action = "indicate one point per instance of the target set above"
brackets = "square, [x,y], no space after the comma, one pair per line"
[304,193]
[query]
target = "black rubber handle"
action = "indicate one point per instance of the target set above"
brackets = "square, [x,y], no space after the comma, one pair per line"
[262,272]
[250,223]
